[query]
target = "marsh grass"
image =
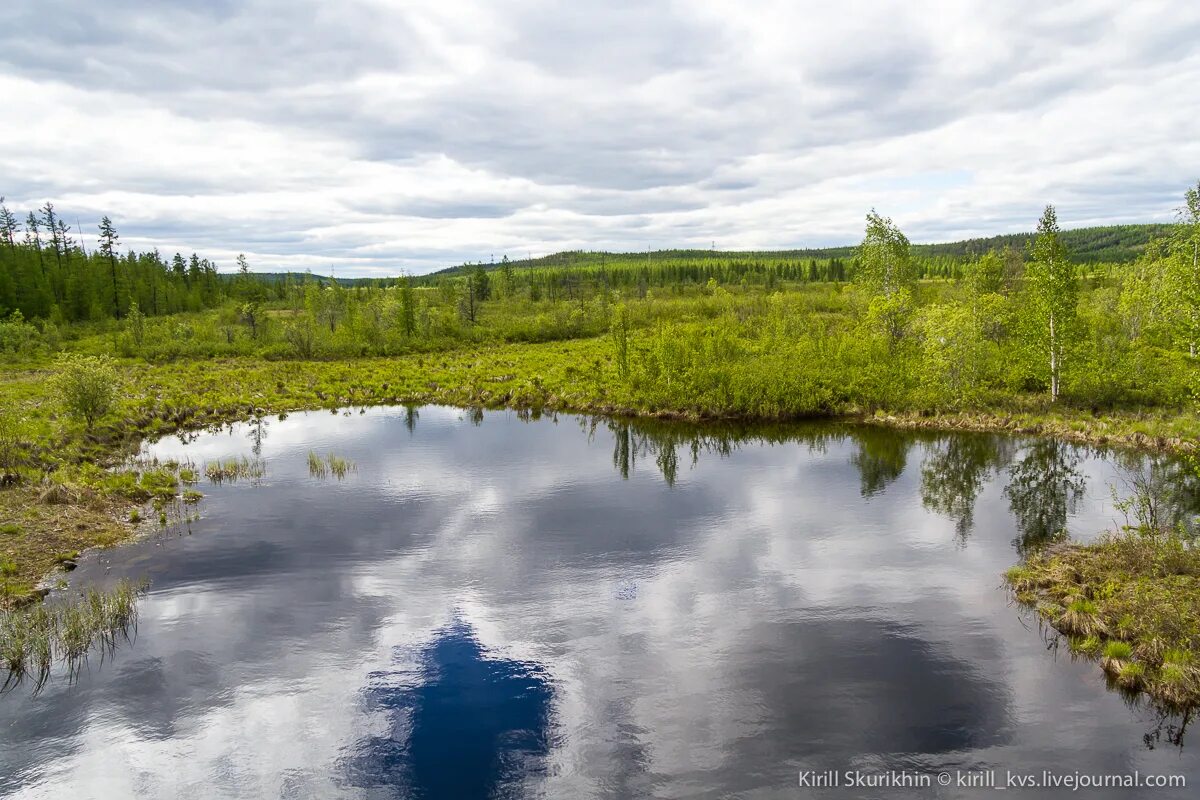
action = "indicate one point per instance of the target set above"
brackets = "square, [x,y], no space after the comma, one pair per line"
[746,352]
[1081,617]
[1131,601]
[340,467]
[331,464]
[231,470]
[316,465]
[34,640]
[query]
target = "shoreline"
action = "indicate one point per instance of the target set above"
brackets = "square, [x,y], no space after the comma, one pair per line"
[1129,601]
[102,520]
[227,391]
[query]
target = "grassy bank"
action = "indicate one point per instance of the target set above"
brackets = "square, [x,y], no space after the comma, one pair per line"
[64,503]
[1131,602]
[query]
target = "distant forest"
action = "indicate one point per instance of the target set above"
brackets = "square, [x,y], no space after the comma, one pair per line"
[47,273]
[1113,244]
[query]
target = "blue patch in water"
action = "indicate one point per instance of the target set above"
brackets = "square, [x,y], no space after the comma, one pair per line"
[479,726]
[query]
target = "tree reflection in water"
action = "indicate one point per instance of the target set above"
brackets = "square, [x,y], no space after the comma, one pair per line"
[954,472]
[1044,486]
[881,457]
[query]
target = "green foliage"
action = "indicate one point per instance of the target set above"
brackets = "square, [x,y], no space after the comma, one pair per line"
[1132,600]
[987,274]
[47,276]
[1051,299]
[889,314]
[14,434]
[18,337]
[86,386]
[620,337]
[884,264]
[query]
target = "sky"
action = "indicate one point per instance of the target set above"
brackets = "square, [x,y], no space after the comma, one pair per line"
[370,137]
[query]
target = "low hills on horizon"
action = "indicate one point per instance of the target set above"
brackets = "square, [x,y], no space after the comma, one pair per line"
[1099,244]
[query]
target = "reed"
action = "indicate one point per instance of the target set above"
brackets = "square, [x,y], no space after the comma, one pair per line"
[231,470]
[331,464]
[33,641]
[340,467]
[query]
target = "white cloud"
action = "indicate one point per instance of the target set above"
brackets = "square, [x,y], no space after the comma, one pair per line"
[396,135]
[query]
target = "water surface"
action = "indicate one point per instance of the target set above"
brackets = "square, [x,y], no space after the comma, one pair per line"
[492,606]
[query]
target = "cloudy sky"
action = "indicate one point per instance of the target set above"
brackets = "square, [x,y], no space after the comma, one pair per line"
[371,136]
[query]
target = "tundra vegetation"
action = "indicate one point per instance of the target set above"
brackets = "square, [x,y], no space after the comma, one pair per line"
[1086,334]
[1132,600]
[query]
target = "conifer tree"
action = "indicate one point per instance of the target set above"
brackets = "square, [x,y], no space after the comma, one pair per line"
[109,241]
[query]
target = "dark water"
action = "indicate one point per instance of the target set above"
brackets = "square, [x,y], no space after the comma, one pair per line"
[497,607]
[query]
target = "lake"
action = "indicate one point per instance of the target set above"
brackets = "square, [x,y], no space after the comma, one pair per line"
[490,605]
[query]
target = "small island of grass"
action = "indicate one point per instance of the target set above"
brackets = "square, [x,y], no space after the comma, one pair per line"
[1131,601]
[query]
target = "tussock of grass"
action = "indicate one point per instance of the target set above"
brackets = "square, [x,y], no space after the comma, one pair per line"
[230,470]
[1080,617]
[1132,675]
[316,465]
[56,494]
[1131,600]
[331,464]
[34,640]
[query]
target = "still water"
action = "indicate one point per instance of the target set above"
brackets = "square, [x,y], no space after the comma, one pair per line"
[492,606]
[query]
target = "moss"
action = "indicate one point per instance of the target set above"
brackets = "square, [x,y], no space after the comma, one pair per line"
[48,531]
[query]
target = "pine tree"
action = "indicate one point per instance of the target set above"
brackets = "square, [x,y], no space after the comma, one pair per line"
[8,226]
[109,241]
[50,223]
[408,309]
[34,240]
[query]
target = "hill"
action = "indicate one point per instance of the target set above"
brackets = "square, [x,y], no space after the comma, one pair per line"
[1102,244]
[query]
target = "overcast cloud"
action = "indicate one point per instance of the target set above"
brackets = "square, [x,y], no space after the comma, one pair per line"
[373,136]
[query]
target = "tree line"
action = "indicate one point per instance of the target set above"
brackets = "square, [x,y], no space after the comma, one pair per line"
[47,273]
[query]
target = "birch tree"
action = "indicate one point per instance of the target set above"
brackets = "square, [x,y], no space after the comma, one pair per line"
[1052,296]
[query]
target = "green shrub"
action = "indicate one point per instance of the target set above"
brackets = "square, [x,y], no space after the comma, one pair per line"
[86,386]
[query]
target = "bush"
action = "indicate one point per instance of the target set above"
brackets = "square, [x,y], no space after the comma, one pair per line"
[12,445]
[86,386]
[17,336]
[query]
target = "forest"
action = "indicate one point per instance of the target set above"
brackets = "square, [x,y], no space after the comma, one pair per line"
[886,327]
